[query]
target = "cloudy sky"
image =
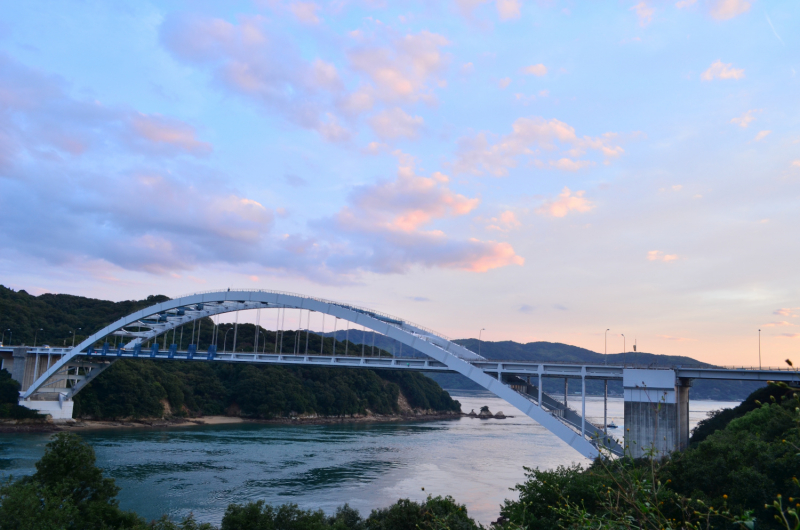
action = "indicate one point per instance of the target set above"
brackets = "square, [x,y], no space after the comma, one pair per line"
[545,170]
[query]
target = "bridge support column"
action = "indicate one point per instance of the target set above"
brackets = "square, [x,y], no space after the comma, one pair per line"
[59,411]
[652,417]
[682,398]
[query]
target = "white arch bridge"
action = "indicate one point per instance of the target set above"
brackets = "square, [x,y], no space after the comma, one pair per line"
[518,383]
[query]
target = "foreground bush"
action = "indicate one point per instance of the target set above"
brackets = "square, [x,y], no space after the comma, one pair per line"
[737,477]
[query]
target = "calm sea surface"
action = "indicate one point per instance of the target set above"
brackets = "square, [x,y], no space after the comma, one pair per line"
[203,469]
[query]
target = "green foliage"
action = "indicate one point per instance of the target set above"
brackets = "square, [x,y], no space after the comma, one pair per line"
[421,392]
[67,492]
[434,514]
[140,388]
[9,399]
[543,491]
[718,419]
[748,463]
[729,479]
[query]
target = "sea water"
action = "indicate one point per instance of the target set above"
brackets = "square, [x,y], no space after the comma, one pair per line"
[202,469]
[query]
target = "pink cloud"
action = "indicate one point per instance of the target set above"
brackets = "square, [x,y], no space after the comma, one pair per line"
[395,123]
[331,130]
[566,164]
[777,324]
[251,60]
[403,70]
[685,3]
[720,70]
[509,9]
[791,335]
[761,135]
[477,156]
[644,13]
[503,83]
[745,119]
[538,70]
[796,163]
[786,311]
[728,9]
[504,222]
[394,220]
[305,12]
[657,255]
[670,337]
[168,131]
[565,203]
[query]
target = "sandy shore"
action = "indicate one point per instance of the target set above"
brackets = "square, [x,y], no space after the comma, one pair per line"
[86,425]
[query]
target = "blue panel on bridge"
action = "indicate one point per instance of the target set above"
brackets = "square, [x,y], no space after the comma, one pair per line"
[192,350]
[137,349]
[212,351]
[172,349]
[119,351]
[106,347]
[90,351]
[154,349]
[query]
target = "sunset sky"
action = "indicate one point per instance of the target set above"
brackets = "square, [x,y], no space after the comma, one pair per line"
[545,170]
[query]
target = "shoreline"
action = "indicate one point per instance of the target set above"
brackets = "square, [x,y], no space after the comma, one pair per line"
[32,426]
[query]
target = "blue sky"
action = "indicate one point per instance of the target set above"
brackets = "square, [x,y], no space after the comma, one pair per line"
[544,170]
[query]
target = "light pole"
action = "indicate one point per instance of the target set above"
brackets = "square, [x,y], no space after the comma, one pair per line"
[4,336]
[623,349]
[759,349]
[73,338]
[225,340]
[605,347]
[479,341]
[35,335]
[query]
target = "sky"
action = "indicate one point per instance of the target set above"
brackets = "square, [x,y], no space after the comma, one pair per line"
[540,170]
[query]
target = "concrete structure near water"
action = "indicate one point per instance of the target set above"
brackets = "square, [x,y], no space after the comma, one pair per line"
[656,411]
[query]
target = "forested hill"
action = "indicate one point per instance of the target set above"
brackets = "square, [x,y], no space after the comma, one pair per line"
[57,315]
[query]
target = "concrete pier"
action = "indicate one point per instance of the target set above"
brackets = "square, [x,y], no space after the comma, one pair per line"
[656,412]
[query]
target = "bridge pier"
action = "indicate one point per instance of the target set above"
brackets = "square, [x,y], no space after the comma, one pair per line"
[656,412]
[58,411]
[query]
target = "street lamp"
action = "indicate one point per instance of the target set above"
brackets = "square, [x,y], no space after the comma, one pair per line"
[605,347]
[479,341]
[224,340]
[759,349]
[35,335]
[73,337]
[4,336]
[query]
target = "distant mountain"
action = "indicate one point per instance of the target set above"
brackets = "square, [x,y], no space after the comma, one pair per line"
[508,350]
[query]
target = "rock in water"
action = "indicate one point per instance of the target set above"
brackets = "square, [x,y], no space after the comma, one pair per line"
[500,415]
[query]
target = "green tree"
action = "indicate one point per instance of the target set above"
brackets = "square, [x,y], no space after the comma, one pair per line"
[436,513]
[68,491]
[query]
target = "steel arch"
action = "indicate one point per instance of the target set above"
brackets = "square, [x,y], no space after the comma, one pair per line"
[430,343]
